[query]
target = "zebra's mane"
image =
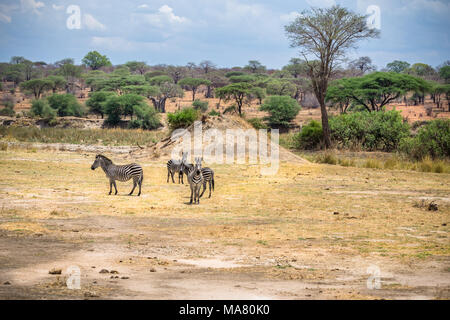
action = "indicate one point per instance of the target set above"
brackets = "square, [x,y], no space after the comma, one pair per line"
[107,160]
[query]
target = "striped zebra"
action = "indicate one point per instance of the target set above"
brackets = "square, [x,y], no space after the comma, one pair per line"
[208,177]
[174,166]
[122,173]
[195,179]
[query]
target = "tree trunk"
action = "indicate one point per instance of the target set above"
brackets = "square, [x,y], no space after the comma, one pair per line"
[325,125]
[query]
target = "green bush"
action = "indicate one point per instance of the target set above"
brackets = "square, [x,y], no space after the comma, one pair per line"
[257,123]
[96,102]
[66,105]
[42,109]
[147,118]
[369,130]
[282,110]
[200,105]
[310,137]
[433,140]
[7,112]
[213,113]
[183,118]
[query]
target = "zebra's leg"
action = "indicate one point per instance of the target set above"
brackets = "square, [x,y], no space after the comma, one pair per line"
[134,186]
[115,187]
[210,182]
[192,192]
[140,185]
[198,194]
[204,188]
[168,173]
[171,174]
[110,187]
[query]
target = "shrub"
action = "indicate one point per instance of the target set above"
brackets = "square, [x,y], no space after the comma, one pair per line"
[282,110]
[257,123]
[327,158]
[310,137]
[432,139]
[200,105]
[214,113]
[183,118]
[369,130]
[147,118]
[96,102]
[42,109]
[7,112]
[66,105]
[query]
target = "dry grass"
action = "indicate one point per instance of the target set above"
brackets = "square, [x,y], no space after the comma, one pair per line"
[247,209]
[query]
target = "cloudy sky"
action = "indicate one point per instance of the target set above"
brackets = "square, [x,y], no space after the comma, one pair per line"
[227,32]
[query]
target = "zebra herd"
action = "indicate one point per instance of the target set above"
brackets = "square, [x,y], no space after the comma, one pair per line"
[197,176]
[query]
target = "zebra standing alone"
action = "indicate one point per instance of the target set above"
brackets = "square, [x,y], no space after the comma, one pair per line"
[195,179]
[121,173]
[174,166]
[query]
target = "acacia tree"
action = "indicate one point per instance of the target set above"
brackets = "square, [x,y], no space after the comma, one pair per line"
[325,34]
[237,92]
[36,86]
[95,60]
[375,90]
[58,83]
[192,84]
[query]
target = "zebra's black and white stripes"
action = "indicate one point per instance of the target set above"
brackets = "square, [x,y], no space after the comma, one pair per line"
[174,166]
[208,177]
[195,179]
[119,172]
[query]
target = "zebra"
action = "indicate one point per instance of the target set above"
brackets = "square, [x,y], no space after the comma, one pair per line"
[121,173]
[208,177]
[174,166]
[195,179]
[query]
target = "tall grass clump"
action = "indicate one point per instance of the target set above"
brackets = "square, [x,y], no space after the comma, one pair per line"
[183,118]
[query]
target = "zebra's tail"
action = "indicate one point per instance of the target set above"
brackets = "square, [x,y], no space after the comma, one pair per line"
[212,182]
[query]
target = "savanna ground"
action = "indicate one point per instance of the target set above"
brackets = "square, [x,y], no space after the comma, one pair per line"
[308,232]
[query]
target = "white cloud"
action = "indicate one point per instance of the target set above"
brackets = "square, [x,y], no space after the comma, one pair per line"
[164,17]
[92,24]
[31,5]
[321,3]
[4,18]
[143,6]
[289,17]
[56,7]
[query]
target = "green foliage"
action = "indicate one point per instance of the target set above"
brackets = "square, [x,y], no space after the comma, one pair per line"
[192,84]
[65,105]
[58,83]
[183,118]
[280,87]
[242,78]
[96,101]
[158,80]
[117,106]
[147,118]
[258,93]
[200,105]
[282,110]
[432,140]
[255,66]
[310,137]
[152,74]
[369,130]
[235,91]
[42,109]
[397,66]
[36,86]
[257,123]
[444,73]
[95,60]
[234,73]
[213,113]
[7,111]
[375,90]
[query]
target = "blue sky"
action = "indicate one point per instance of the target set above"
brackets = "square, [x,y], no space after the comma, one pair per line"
[227,32]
